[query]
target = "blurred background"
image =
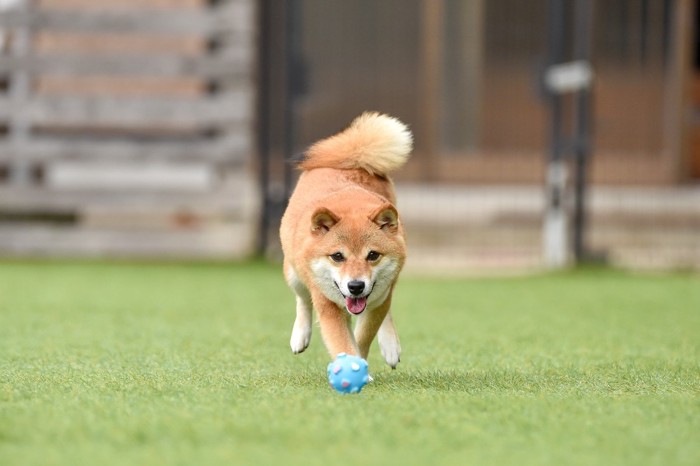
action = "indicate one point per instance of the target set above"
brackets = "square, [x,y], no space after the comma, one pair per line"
[547,133]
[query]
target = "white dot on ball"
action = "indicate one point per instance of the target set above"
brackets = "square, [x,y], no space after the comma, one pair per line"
[355,366]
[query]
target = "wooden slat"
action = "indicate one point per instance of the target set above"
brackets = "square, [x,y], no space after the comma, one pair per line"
[187,177]
[182,4]
[231,108]
[233,18]
[123,86]
[235,193]
[236,63]
[233,240]
[230,149]
[51,42]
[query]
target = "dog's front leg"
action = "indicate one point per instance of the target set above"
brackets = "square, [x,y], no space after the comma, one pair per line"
[389,342]
[335,326]
[301,332]
[368,324]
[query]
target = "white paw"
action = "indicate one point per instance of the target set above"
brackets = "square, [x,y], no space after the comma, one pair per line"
[301,336]
[391,350]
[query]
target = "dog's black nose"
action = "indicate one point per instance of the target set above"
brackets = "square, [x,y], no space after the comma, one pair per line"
[356,287]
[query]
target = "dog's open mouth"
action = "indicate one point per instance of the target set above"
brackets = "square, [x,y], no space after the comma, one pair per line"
[356,305]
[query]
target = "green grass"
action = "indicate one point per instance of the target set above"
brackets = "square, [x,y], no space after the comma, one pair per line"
[189,364]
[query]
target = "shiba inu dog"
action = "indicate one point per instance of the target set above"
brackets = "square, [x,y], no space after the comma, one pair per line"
[342,239]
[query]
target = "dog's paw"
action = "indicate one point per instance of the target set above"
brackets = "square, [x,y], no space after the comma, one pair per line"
[391,350]
[301,336]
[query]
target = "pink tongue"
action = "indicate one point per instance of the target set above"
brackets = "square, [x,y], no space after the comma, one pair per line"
[356,305]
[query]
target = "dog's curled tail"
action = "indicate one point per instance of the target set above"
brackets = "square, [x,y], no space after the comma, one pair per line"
[374,142]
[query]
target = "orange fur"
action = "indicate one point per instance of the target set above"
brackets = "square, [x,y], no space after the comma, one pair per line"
[344,206]
[375,143]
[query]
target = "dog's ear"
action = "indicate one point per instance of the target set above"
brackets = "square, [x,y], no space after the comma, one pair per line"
[387,218]
[322,220]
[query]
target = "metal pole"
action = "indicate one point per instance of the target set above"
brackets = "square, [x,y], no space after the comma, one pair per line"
[292,84]
[555,222]
[264,148]
[278,83]
[582,146]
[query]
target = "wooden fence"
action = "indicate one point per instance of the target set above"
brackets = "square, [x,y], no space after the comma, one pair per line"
[126,128]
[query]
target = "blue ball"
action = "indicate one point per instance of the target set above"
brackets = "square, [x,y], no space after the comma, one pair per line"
[348,373]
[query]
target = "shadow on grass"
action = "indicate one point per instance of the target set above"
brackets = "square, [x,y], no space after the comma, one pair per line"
[448,381]
[608,380]
[625,377]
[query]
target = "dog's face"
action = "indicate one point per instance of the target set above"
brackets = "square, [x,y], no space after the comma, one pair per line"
[357,256]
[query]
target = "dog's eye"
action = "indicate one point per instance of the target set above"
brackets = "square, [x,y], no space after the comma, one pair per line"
[337,257]
[373,256]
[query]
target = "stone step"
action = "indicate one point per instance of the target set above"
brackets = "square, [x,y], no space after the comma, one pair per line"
[482,227]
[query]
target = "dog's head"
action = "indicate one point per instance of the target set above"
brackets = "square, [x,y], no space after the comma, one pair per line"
[359,251]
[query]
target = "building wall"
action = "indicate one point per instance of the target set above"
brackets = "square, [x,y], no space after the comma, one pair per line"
[464,75]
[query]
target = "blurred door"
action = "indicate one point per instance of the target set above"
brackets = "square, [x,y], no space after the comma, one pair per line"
[695,128]
[695,97]
[460,74]
[464,76]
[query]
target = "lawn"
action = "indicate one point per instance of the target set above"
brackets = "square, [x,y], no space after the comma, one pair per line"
[187,364]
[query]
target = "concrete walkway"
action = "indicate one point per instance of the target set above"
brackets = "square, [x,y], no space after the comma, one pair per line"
[499,228]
